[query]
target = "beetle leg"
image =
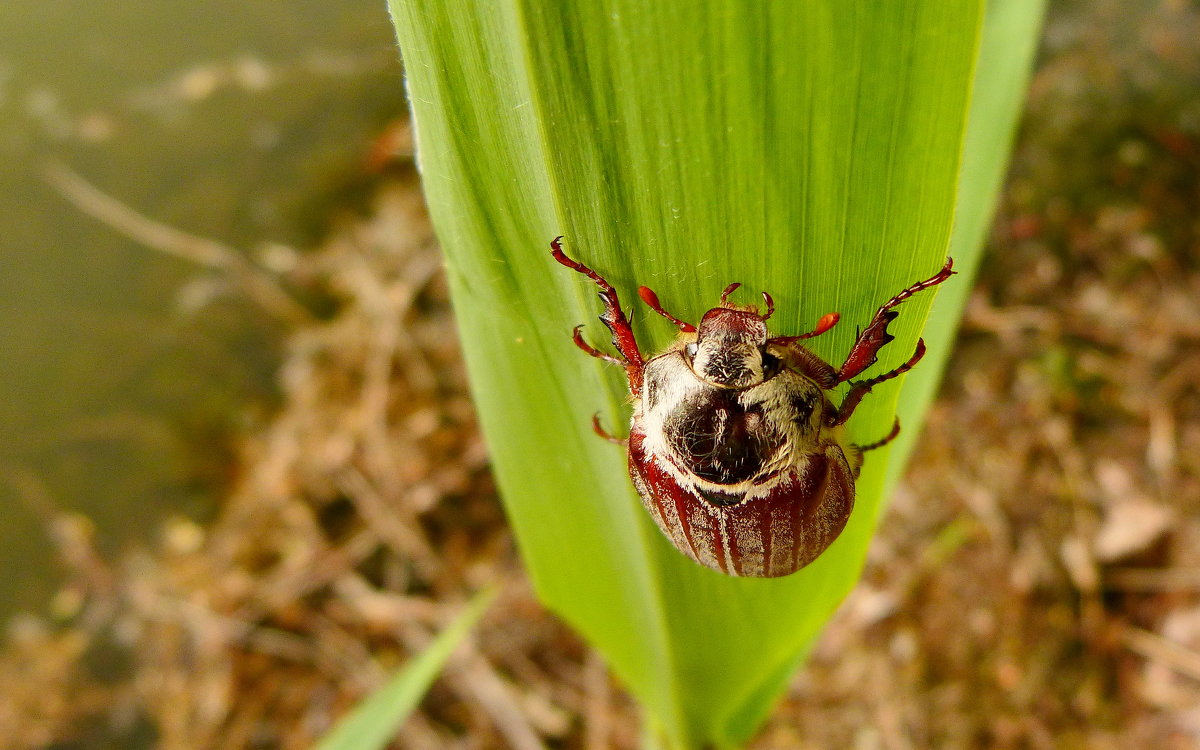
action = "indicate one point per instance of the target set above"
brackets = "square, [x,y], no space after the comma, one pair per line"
[855,454]
[587,348]
[866,348]
[884,441]
[613,317]
[863,387]
[599,430]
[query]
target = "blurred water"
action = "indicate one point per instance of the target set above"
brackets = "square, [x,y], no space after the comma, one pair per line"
[242,120]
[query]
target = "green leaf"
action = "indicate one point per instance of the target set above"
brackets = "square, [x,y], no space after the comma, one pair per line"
[808,149]
[1010,35]
[373,723]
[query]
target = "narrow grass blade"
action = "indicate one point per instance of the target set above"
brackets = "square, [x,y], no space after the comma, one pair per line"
[373,723]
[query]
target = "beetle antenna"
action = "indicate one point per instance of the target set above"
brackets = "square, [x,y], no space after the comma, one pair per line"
[651,299]
[728,291]
[827,321]
[770,306]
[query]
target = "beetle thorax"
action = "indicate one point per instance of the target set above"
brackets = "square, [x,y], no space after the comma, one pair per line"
[734,442]
[728,348]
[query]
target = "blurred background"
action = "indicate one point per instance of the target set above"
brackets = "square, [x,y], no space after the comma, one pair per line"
[241,481]
[127,373]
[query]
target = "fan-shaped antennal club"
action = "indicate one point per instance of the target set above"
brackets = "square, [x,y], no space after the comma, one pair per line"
[651,299]
[728,291]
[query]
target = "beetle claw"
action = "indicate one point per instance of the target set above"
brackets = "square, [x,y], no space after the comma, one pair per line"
[599,430]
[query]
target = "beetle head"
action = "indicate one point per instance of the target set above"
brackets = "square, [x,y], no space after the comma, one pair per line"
[728,351]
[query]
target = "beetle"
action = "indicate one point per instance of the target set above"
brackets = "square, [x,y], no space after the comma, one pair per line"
[735,448]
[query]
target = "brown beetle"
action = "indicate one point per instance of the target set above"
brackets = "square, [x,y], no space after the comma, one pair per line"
[735,448]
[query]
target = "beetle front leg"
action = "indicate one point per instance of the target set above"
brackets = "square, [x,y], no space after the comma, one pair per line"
[592,351]
[863,387]
[612,317]
[866,348]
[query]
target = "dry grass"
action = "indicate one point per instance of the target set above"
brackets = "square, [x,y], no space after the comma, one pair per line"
[363,519]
